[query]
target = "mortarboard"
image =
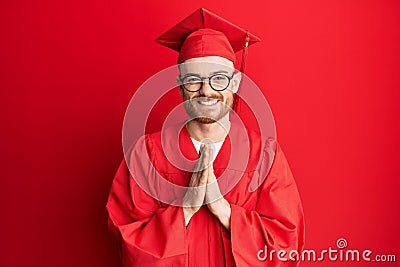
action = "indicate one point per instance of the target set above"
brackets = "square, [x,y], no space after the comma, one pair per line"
[205,34]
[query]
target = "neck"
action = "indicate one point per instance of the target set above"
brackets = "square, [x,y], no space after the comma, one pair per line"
[216,131]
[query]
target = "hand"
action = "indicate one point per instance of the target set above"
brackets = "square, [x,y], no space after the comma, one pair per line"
[216,203]
[195,194]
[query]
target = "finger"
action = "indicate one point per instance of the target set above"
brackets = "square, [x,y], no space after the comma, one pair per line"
[204,177]
[201,148]
[213,192]
[211,153]
[207,158]
[212,179]
[198,165]
[194,179]
[211,176]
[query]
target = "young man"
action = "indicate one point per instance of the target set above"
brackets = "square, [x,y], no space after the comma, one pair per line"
[216,220]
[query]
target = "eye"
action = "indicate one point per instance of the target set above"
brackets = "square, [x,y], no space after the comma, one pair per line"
[219,78]
[191,79]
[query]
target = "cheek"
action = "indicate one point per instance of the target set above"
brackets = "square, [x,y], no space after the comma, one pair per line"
[228,96]
[188,96]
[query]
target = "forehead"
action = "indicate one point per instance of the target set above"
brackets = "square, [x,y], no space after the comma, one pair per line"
[205,66]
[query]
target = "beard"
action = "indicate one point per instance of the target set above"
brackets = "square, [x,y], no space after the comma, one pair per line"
[207,116]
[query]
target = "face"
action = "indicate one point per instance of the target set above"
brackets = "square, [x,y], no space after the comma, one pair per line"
[207,105]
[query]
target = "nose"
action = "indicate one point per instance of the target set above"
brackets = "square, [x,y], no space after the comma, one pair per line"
[206,89]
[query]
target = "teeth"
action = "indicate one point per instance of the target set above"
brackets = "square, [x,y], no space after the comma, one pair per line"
[208,102]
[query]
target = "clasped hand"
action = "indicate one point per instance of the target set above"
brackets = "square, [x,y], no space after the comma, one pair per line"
[203,188]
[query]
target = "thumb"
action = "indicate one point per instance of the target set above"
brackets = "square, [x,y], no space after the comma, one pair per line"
[211,175]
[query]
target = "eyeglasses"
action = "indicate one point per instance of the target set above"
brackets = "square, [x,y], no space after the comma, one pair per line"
[218,82]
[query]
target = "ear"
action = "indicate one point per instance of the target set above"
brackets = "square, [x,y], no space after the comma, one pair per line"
[178,81]
[236,82]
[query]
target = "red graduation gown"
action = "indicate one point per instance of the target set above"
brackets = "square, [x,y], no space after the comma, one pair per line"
[152,233]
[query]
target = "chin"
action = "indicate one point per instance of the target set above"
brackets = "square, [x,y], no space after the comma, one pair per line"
[205,120]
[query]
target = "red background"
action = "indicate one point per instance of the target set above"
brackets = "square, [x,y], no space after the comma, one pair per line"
[329,70]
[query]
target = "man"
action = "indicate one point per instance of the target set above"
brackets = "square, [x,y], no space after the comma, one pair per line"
[216,220]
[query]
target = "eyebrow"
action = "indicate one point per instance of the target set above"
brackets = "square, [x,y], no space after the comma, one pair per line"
[212,73]
[220,71]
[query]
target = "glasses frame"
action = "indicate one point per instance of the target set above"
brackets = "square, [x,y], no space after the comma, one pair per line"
[209,81]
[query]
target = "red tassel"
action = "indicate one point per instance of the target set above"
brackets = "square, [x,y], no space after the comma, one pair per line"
[244,53]
[242,68]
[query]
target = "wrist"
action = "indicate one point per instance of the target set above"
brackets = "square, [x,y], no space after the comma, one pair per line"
[223,213]
[221,209]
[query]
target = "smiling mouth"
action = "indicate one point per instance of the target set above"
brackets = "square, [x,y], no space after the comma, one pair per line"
[208,102]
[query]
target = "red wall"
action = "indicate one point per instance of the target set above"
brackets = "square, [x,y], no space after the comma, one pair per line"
[330,71]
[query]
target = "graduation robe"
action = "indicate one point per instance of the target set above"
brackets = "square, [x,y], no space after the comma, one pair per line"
[153,233]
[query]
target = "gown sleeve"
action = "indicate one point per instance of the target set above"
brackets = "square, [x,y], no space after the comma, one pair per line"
[147,233]
[277,221]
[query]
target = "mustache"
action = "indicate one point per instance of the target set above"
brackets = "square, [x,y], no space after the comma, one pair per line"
[202,98]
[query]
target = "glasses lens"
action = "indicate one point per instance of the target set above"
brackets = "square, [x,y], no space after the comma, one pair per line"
[219,82]
[192,83]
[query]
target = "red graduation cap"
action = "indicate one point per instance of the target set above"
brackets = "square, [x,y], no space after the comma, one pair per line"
[205,34]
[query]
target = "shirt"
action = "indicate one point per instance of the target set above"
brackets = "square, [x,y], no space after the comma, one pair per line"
[216,147]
